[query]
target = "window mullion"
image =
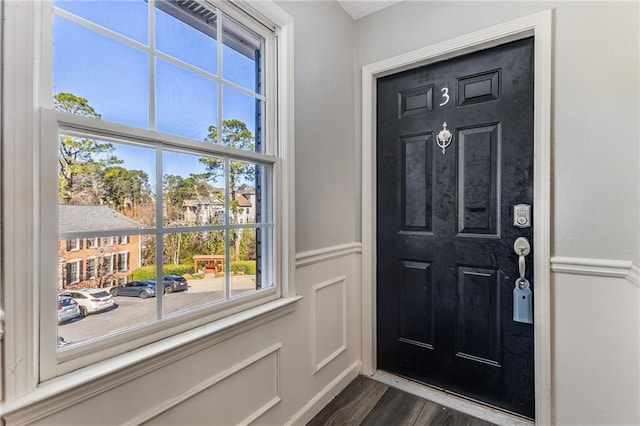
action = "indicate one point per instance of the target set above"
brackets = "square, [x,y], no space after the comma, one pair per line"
[152,65]
[159,236]
[227,233]
[220,85]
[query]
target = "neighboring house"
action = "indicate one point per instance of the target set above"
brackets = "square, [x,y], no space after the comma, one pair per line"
[208,209]
[203,210]
[99,261]
[246,206]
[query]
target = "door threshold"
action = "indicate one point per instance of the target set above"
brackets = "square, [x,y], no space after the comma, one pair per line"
[452,401]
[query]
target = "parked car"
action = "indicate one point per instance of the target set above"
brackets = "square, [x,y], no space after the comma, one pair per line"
[67,309]
[91,300]
[142,289]
[174,283]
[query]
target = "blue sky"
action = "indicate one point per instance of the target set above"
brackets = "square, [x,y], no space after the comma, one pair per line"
[115,79]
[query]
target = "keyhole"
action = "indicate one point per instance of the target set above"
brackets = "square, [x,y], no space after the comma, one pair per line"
[524,297]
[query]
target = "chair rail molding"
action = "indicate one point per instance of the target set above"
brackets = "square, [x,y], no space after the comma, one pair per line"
[625,269]
[311,257]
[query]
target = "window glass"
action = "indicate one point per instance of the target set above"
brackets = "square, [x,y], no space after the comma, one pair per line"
[187,36]
[109,308]
[109,14]
[240,114]
[83,57]
[99,181]
[241,54]
[198,259]
[186,103]
[193,189]
[164,189]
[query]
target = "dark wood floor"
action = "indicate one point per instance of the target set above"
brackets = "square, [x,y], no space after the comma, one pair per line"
[368,402]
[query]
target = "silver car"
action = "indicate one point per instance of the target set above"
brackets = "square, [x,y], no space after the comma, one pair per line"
[67,309]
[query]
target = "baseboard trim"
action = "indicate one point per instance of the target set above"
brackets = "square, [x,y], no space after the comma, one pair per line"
[318,402]
[452,401]
[597,267]
[310,257]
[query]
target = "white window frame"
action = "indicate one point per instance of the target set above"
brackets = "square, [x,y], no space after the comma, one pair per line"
[71,245]
[29,344]
[94,243]
[78,271]
[123,239]
[126,261]
[95,267]
[111,262]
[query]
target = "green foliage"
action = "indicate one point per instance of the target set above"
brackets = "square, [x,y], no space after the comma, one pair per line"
[247,267]
[149,272]
[125,188]
[78,167]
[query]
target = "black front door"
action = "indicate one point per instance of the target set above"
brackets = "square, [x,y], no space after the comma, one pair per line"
[446,266]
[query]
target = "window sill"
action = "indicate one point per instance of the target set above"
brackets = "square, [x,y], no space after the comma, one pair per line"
[64,391]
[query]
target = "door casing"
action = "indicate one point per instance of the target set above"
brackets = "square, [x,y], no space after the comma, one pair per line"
[539,26]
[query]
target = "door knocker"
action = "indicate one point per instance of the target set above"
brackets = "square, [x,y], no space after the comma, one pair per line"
[444,138]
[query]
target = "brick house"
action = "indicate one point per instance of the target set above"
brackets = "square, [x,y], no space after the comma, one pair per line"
[99,261]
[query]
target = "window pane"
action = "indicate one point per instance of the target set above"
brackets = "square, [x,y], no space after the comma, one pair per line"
[197,260]
[243,268]
[104,185]
[241,54]
[193,189]
[187,36]
[112,77]
[92,277]
[109,14]
[246,184]
[186,103]
[240,115]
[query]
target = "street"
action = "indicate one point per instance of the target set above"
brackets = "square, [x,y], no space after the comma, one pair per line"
[132,311]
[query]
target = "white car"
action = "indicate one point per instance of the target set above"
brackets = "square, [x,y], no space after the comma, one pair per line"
[91,300]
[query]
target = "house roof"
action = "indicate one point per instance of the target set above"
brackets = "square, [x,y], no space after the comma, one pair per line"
[243,201]
[78,218]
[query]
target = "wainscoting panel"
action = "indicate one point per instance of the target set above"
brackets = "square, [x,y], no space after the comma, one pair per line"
[237,396]
[328,321]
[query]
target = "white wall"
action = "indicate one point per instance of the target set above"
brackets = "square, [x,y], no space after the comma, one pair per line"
[285,369]
[595,183]
[325,124]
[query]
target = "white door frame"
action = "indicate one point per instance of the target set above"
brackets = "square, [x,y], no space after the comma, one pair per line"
[539,26]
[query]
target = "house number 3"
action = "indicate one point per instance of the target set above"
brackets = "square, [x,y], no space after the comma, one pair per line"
[445,96]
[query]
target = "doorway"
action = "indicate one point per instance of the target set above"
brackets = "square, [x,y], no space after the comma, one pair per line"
[540,27]
[448,276]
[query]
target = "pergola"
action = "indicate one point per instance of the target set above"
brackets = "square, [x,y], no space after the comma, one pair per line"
[208,262]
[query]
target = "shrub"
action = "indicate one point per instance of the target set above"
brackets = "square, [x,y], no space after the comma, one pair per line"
[246,267]
[149,272]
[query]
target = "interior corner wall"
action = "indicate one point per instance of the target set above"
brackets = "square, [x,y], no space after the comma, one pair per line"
[325,124]
[595,181]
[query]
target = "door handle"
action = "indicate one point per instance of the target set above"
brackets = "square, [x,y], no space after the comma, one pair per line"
[522,248]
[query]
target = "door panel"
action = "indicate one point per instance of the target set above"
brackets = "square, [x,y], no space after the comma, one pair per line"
[445,262]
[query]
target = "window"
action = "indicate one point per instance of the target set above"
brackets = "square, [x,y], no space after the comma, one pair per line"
[73,271]
[160,124]
[92,242]
[123,261]
[135,126]
[74,244]
[108,264]
[92,268]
